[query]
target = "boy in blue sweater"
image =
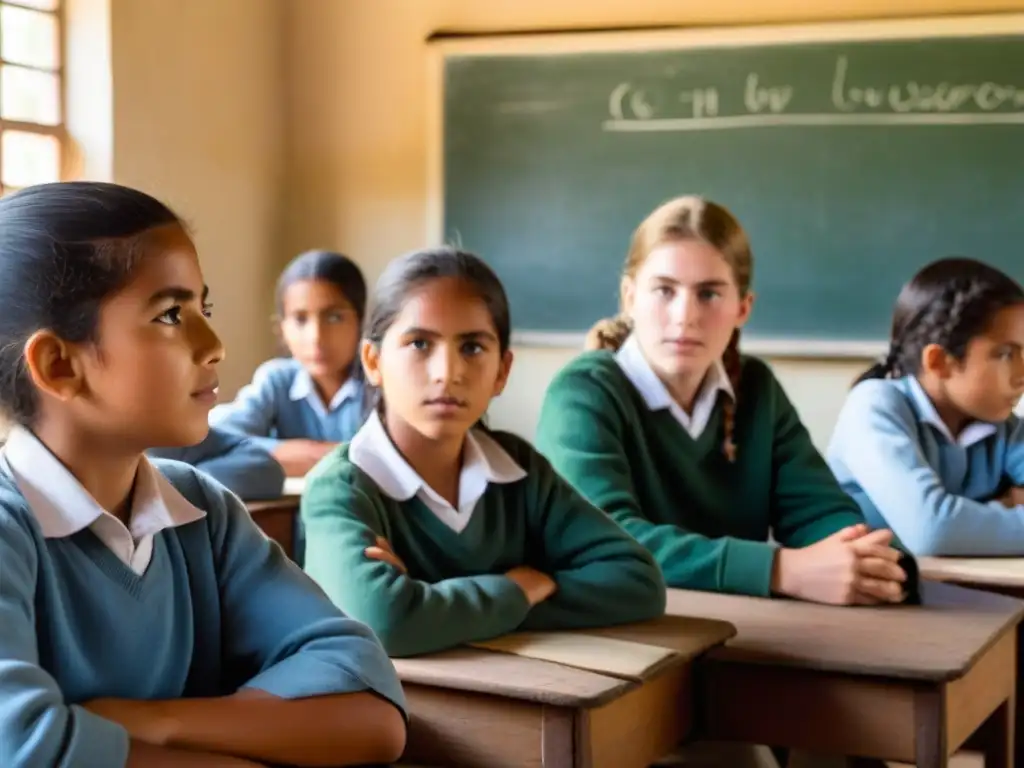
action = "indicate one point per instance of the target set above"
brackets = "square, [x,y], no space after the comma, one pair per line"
[927,442]
[145,620]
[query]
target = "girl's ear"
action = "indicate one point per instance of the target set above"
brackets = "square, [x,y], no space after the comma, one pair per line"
[54,365]
[937,361]
[369,356]
[627,293]
[746,307]
[504,369]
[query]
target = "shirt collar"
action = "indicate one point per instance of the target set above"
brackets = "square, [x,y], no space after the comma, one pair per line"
[483,462]
[63,507]
[973,433]
[638,370]
[303,388]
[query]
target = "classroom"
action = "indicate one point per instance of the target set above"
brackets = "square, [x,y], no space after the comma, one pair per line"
[385,129]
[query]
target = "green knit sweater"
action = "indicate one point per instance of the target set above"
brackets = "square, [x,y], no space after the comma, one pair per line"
[706,521]
[455,590]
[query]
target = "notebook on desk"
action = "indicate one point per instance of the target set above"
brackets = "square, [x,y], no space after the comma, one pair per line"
[616,658]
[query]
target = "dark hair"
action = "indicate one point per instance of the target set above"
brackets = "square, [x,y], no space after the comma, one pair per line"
[407,273]
[948,303]
[64,249]
[334,268]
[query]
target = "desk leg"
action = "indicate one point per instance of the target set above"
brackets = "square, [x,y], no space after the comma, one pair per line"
[995,737]
[930,728]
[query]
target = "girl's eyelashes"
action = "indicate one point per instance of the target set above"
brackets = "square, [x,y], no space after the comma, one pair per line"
[170,317]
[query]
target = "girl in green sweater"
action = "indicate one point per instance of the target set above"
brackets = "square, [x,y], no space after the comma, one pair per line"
[436,531]
[695,449]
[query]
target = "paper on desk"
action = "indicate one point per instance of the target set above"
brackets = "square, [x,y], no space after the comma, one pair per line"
[617,658]
[293,486]
[1007,571]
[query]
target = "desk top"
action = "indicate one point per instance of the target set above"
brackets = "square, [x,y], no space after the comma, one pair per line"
[284,504]
[514,677]
[563,684]
[990,571]
[936,641]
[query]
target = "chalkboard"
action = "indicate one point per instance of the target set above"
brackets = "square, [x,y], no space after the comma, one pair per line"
[853,154]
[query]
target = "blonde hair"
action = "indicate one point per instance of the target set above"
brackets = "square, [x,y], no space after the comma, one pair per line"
[687,218]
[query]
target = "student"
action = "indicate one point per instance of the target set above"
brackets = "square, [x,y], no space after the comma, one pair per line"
[300,407]
[237,462]
[927,442]
[695,449]
[435,530]
[146,621]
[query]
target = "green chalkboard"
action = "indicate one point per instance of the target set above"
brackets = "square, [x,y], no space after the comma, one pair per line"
[850,162]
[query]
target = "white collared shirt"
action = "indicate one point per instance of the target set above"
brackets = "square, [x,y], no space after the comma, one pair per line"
[973,433]
[63,507]
[302,388]
[631,360]
[483,462]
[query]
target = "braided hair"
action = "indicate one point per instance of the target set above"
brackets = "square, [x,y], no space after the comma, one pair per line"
[948,303]
[688,218]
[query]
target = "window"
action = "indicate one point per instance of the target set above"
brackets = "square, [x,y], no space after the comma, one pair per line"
[31,93]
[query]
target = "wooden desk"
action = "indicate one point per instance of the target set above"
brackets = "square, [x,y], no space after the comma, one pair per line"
[474,708]
[1002,575]
[995,574]
[277,519]
[902,683]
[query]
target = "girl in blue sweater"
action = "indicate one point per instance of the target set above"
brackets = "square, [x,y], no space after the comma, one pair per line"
[927,441]
[145,620]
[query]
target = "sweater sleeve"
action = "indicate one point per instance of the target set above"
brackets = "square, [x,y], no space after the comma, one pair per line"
[234,460]
[583,432]
[876,442]
[1015,452]
[410,616]
[278,622]
[253,411]
[37,727]
[603,575]
[807,503]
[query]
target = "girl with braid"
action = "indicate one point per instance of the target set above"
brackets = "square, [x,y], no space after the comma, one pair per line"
[694,448]
[927,442]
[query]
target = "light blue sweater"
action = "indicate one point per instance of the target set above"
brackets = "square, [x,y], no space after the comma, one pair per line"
[218,608]
[892,453]
[238,462]
[281,403]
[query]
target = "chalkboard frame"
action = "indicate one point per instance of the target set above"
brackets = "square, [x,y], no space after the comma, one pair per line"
[440,48]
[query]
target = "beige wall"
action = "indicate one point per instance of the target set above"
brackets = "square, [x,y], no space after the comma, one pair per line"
[357,149]
[182,98]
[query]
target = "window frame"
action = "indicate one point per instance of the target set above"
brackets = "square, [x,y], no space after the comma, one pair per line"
[59,131]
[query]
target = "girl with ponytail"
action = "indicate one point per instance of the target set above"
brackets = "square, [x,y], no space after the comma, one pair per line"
[927,441]
[694,448]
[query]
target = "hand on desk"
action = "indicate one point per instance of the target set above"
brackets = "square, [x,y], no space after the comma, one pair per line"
[850,567]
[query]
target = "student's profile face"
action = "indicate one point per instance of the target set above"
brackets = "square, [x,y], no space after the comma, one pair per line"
[439,364]
[319,327]
[685,305]
[989,382]
[151,377]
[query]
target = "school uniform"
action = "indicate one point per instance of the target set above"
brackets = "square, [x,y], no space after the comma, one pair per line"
[189,600]
[281,403]
[896,457]
[237,462]
[513,510]
[611,428]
